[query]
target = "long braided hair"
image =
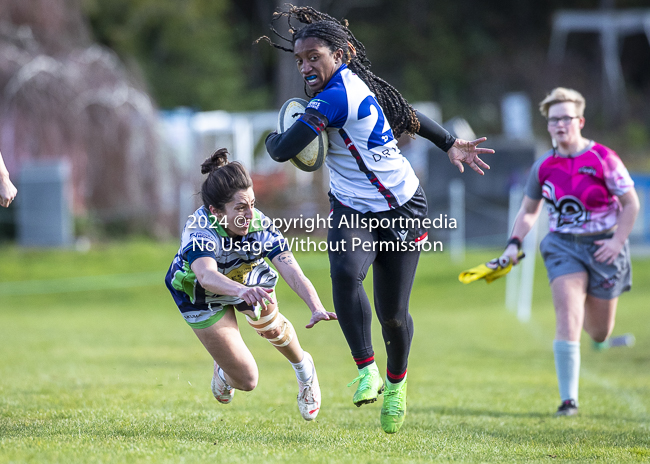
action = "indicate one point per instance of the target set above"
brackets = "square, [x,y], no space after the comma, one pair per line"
[336,35]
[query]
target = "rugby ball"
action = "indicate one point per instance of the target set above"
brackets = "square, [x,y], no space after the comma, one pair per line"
[312,156]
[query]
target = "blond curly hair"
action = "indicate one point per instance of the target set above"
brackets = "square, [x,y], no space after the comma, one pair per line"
[561,95]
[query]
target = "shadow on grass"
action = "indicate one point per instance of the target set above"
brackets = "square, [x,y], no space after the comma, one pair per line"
[456,411]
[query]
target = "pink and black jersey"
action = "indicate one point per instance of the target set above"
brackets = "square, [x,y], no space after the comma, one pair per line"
[580,190]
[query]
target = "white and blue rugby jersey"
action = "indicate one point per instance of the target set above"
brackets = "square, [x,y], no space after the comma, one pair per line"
[241,259]
[367,170]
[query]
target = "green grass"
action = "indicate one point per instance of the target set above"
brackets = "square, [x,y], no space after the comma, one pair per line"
[98,367]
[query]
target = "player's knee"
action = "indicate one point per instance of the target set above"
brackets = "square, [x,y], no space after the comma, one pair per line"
[392,323]
[282,335]
[245,379]
[600,335]
[400,319]
[248,384]
[344,277]
[275,328]
[271,334]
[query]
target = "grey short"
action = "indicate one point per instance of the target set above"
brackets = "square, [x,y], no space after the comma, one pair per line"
[568,253]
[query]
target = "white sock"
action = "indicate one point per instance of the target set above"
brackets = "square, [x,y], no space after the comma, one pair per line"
[303,368]
[567,367]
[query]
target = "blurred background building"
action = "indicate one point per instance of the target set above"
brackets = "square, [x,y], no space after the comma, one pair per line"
[131,96]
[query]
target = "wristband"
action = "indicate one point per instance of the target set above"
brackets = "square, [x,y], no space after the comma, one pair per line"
[514,241]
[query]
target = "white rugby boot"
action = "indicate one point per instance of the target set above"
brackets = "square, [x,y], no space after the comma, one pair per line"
[309,393]
[222,392]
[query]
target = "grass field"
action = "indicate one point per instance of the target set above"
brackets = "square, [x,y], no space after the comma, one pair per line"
[96,365]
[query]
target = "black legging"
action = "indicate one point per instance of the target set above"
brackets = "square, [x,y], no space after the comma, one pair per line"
[393,275]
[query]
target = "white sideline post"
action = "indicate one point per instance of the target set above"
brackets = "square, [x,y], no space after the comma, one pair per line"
[512,279]
[525,300]
[242,133]
[185,204]
[519,282]
[457,211]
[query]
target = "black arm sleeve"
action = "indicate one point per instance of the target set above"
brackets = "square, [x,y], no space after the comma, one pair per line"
[283,147]
[431,130]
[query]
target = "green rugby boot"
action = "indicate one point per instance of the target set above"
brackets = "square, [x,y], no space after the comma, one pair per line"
[394,409]
[370,385]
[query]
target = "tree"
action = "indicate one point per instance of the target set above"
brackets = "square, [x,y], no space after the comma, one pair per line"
[188,50]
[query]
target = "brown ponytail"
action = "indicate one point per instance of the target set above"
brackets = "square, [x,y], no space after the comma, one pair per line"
[224,180]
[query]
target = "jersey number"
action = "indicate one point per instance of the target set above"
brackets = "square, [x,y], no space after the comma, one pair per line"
[377,138]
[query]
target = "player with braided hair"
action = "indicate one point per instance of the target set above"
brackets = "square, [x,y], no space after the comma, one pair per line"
[400,114]
[369,180]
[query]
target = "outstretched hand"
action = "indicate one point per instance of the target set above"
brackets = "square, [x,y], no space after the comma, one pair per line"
[466,152]
[7,191]
[320,316]
[256,295]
